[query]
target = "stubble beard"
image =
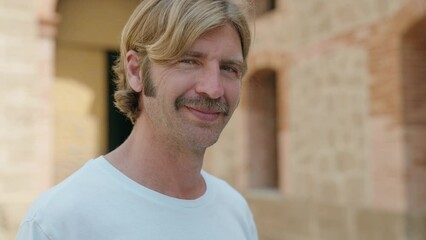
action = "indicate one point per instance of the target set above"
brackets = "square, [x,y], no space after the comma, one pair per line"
[175,129]
[200,137]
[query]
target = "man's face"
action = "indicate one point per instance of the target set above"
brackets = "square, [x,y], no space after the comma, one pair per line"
[196,95]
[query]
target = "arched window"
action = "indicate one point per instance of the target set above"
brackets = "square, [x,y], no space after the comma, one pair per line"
[414,100]
[262,130]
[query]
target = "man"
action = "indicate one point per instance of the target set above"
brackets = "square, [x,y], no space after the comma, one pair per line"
[179,80]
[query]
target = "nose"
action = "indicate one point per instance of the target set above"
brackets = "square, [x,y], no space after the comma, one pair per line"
[210,83]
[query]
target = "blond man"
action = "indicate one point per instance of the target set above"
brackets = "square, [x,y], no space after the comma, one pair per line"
[178,80]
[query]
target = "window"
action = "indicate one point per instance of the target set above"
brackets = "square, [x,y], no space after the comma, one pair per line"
[414,100]
[262,130]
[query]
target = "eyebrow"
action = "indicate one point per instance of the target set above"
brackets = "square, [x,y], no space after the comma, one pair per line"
[241,64]
[194,54]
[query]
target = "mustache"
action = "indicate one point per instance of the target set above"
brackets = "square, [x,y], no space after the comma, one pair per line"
[203,102]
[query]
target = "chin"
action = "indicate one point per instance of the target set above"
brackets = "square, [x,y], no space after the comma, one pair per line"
[203,143]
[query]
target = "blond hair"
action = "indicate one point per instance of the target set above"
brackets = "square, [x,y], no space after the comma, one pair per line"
[161,31]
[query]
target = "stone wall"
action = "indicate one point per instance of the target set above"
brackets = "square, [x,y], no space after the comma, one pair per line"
[25,113]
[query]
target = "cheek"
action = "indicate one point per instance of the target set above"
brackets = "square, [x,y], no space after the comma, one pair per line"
[233,93]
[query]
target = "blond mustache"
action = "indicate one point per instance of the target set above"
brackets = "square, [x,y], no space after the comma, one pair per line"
[203,102]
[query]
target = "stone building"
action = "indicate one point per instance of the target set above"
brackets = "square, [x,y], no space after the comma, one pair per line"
[329,141]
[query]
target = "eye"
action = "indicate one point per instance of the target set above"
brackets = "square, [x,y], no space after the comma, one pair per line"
[230,69]
[188,61]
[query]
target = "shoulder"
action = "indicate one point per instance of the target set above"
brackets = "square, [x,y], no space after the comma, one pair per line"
[224,190]
[228,199]
[31,230]
[64,198]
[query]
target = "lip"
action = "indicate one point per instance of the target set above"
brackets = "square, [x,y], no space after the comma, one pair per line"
[204,115]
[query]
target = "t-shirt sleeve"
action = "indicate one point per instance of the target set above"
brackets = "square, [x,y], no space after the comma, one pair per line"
[31,230]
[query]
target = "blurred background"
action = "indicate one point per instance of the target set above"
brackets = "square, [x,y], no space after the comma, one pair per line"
[329,141]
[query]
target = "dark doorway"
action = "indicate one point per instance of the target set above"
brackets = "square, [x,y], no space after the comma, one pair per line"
[119,127]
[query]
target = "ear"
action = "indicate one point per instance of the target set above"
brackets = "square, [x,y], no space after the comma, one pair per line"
[133,71]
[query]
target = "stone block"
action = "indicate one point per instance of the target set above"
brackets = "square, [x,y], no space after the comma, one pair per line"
[355,190]
[380,225]
[416,226]
[298,218]
[331,222]
[329,190]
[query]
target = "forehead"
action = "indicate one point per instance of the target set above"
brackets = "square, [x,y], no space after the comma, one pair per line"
[221,41]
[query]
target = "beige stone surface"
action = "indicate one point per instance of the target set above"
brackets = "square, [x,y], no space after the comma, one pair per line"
[300,23]
[24,122]
[86,67]
[81,24]
[76,132]
[327,126]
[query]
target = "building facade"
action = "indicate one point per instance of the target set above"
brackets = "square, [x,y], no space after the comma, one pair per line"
[329,141]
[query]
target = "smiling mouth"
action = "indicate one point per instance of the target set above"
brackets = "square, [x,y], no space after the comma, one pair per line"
[204,115]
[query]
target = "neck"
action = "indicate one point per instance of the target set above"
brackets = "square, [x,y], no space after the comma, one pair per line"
[160,165]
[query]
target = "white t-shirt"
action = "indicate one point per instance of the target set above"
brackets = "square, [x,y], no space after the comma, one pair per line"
[98,202]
